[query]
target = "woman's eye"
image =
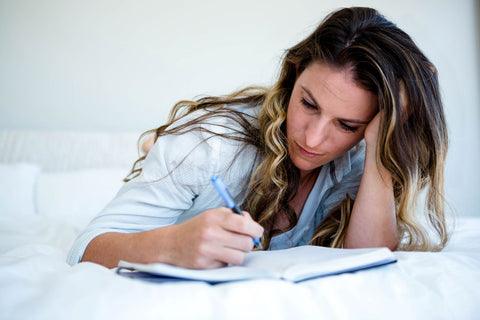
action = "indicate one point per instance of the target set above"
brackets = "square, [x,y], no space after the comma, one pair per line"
[308,104]
[348,128]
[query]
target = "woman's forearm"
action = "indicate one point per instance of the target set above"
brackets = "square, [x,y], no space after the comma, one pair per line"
[109,248]
[373,219]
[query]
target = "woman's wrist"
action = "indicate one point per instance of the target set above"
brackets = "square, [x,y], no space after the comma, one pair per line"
[375,167]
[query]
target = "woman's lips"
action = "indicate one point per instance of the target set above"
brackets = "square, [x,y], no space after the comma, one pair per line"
[308,153]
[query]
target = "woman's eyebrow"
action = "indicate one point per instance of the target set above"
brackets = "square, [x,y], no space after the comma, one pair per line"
[314,102]
[355,121]
[311,96]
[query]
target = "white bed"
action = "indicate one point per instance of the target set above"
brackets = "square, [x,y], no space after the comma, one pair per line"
[54,182]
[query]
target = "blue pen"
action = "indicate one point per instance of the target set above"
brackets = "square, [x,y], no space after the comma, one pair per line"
[222,190]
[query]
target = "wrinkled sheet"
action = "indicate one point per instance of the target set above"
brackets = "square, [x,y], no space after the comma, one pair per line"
[36,283]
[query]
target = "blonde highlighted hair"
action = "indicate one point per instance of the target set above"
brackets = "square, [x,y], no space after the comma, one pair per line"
[412,141]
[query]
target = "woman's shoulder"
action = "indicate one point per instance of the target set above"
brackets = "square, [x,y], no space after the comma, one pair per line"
[209,145]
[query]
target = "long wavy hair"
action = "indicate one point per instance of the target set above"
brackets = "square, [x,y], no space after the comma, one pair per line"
[412,142]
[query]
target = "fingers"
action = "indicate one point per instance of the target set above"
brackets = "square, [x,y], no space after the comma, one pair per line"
[227,248]
[234,231]
[222,237]
[218,256]
[237,241]
[244,225]
[371,132]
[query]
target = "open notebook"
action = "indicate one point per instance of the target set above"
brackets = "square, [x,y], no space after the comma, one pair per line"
[294,264]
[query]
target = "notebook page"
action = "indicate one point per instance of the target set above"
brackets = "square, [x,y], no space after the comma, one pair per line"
[307,261]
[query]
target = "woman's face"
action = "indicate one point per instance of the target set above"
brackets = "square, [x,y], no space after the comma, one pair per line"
[327,115]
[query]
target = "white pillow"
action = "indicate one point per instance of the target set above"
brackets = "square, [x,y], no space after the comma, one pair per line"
[75,197]
[17,187]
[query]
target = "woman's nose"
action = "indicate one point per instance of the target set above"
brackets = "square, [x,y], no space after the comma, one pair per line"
[316,133]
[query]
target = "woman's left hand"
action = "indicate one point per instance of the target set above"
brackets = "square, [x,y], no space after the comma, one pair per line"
[371,132]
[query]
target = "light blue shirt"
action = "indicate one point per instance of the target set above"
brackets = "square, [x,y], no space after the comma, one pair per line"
[175,186]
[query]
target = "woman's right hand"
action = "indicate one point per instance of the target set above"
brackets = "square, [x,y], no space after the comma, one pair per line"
[215,238]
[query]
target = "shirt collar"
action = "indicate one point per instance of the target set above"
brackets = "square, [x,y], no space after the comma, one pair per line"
[343,164]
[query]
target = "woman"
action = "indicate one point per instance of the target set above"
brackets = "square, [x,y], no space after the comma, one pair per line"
[334,154]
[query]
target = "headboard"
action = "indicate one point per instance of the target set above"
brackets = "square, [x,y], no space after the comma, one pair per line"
[64,150]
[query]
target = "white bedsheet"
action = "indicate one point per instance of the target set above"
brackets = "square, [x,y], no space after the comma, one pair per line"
[36,283]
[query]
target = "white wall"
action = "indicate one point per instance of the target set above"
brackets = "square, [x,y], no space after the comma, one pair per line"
[120,65]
